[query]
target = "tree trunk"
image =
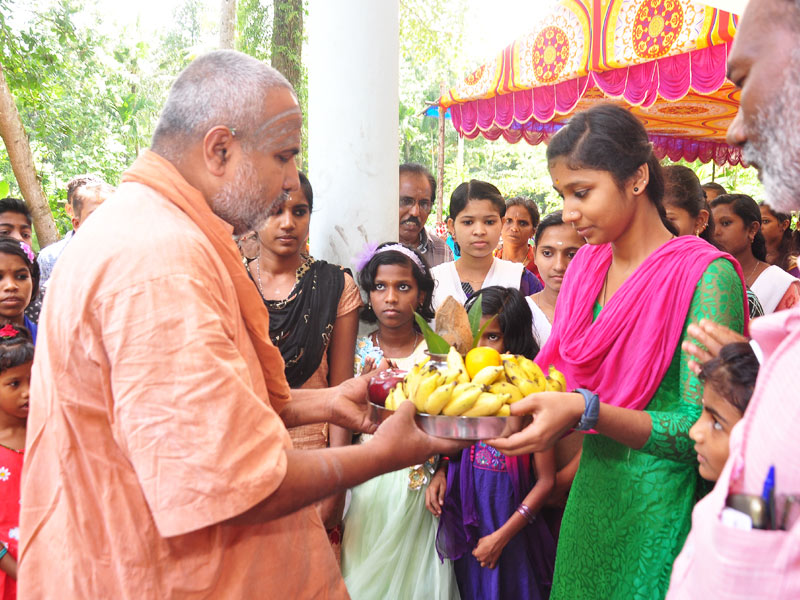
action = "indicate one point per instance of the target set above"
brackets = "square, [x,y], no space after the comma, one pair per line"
[287,39]
[227,24]
[19,152]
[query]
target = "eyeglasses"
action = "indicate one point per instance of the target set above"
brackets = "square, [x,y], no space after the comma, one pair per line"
[406,202]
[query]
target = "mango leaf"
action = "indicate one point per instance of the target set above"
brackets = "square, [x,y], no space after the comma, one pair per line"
[475,314]
[478,335]
[436,344]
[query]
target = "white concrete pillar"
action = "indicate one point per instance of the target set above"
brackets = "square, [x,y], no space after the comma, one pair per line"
[353,103]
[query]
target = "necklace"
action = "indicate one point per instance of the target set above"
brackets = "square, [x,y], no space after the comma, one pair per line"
[754,270]
[258,275]
[378,340]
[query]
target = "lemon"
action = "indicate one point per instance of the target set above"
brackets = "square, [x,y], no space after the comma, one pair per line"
[481,357]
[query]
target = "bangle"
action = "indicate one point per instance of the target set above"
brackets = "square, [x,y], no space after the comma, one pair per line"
[591,412]
[3,552]
[527,513]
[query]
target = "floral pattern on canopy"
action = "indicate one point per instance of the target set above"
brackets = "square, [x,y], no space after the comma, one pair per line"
[663,59]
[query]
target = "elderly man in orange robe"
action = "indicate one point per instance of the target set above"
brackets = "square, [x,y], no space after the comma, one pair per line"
[158,463]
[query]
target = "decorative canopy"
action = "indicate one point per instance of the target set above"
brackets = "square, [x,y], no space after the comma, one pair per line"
[664,59]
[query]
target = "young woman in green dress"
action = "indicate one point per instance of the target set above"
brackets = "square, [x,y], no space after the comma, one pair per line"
[622,313]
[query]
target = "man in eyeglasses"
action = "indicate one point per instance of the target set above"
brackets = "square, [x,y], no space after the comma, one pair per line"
[417,194]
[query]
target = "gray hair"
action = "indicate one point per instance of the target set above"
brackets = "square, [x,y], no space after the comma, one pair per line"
[223,87]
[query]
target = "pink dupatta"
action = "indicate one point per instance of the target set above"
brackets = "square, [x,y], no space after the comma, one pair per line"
[624,354]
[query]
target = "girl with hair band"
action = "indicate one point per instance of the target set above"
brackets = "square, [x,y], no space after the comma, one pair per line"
[557,243]
[685,203]
[313,320]
[777,230]
[16,359]
[738,231]
[19,283]
[388,548]
[489,504]
[519,225]
[476,216]
[623,311]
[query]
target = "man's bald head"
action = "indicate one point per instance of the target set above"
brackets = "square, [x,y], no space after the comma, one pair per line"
[224,87]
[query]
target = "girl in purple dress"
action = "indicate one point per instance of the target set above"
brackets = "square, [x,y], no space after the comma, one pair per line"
[489,503]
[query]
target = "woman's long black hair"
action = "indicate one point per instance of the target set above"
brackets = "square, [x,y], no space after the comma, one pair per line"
[744,207]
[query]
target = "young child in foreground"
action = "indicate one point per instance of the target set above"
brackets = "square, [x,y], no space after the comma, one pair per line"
[489,503]
[729,381]
[16,358]
[388,544]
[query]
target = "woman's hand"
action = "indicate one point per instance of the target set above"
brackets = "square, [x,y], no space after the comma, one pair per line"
[489,549]
[434,495]
[553,414]
[711,335]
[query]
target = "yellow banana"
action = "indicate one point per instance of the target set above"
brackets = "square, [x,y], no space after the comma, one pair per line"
[504,387]
[504,411]
[389,404]
[399,395]
[513,370]
[410,381]
[532,371]
[526,386]
[463,401]
[455,361]
[425,388]
[486,405]
[439,397]
[451,375]
[511,357]
[487,375]
[423,361]
[556,380]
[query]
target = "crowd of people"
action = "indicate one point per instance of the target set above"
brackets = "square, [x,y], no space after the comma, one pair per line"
[185,384]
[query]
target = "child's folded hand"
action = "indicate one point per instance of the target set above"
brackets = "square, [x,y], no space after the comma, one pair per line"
[434,495]
[488,550]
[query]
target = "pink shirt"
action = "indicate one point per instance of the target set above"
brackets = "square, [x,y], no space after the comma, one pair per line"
[721,562]
[150,425]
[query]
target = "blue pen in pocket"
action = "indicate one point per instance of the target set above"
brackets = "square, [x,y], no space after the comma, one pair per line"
[768,495]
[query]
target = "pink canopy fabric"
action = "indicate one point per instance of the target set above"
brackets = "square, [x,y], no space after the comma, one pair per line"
[663,59]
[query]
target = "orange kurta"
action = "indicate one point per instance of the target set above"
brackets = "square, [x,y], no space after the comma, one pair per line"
[150,425]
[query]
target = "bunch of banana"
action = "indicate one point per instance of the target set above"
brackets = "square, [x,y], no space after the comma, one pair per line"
[449,391]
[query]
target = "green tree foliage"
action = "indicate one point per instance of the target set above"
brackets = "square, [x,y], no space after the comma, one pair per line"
[89,102]
[78,95]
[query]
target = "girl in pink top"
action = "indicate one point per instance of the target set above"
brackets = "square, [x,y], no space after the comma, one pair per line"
[16,358]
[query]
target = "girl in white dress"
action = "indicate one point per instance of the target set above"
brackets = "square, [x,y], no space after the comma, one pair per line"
[388,547]
[556,245]
[476,221]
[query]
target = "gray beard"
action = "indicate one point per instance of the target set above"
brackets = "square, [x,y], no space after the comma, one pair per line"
[241,202]
[777,152]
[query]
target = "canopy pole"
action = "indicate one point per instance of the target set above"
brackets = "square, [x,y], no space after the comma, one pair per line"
[713,170]
[440,160]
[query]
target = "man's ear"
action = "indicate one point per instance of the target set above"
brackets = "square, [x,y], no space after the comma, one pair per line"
[219,145]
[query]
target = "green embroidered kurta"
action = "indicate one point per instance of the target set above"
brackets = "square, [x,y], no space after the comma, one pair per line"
[629,511]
